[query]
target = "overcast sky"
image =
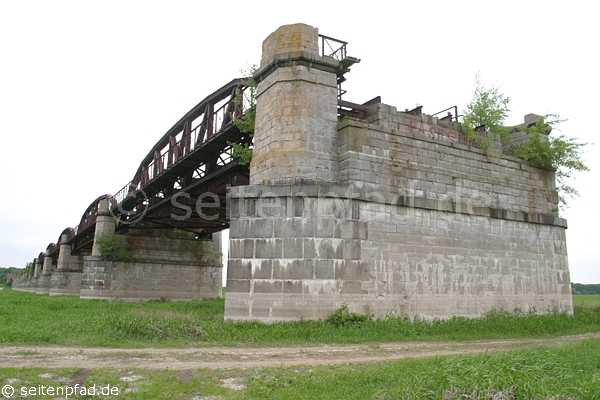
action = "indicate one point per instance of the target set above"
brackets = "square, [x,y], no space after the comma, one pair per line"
[86,88]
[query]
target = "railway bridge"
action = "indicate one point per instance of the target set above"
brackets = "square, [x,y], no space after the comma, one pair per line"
[386,211]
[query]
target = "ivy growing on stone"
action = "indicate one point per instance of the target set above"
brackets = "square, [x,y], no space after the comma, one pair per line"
[243,152]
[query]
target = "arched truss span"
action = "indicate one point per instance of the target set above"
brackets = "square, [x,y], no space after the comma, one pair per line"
[195,155]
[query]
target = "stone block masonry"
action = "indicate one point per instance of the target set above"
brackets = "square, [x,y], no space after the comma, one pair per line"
[162,265]
[296,113]
[390,214]
[302,252]
[394,150]
[65,283]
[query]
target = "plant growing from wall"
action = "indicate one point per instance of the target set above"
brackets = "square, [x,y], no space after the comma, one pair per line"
[344,317]
[561,154]
[242,152]
[483,123]
[113,247]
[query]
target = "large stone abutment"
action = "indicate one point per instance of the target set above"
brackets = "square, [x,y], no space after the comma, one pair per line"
[390,213]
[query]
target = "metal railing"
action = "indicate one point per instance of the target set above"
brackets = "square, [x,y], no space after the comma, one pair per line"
[331,47]
[452,113]
[212,124]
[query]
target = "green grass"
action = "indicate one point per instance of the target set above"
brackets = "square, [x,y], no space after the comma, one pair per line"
[34,319]
[587,300]
[569,372]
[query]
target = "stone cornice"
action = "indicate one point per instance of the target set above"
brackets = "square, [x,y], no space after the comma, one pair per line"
[370,193]
[327,64]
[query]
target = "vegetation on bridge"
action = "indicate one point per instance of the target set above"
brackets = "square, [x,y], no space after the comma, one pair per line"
[489,110]
[242,152]
[113,247]
[487,113]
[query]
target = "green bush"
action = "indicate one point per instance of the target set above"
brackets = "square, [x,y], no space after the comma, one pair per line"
[344,317]
[242,152]
[113,247]
[483,124]
[560,154]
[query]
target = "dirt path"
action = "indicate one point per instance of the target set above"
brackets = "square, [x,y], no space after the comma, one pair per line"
[251,357]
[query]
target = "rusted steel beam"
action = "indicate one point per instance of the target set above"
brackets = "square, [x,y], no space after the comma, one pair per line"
[353,106]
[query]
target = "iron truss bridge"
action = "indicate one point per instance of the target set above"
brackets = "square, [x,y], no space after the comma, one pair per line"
[193,163]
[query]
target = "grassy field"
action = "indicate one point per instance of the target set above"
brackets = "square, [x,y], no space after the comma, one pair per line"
[587,300]
[34,319]
[571,372]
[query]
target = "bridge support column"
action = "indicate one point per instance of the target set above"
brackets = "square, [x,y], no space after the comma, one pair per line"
[37,273]
[37,266]
[105,225]
[296,109]
[279,259]
[64,253]
[161,264]
[217,242]
[43,286]
[66,280]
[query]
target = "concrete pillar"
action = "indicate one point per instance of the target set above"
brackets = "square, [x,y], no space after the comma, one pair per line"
[64,253]
[217,241]
[105,225]
[37,265]
[47,268]
[296,109]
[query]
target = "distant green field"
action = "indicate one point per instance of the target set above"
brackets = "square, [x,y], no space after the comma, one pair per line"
[587,300]
[35,319]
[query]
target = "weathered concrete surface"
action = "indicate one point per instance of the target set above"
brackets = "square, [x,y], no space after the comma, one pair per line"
[37,268]
[296,114]
[310,255]
[25,285]
[105,225]
[415,222]
[421,157]
[66,279]
[65,283]
[42,285]
[162,265]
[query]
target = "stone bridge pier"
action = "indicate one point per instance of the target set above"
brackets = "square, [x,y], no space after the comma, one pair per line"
[66,279]
[165,264]
[389,212]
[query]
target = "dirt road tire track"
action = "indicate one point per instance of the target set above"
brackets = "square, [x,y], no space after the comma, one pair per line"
[254,357]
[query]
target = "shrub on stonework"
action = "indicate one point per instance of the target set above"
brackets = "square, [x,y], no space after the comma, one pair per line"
[113,247]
